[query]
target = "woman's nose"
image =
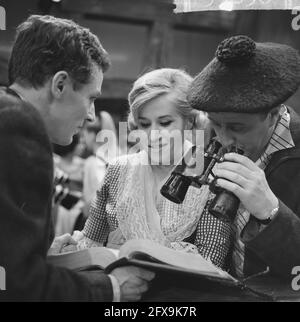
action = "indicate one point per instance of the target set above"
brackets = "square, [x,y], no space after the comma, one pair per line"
[155,135]
[155,127]
[154,131]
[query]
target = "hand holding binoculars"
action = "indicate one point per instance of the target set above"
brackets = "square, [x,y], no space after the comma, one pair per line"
[225,204]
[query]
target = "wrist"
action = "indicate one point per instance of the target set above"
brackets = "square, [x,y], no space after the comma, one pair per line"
[116,288]
[269,215]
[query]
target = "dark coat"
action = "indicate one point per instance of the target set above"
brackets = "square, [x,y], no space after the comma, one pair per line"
[278,245]
[26,230]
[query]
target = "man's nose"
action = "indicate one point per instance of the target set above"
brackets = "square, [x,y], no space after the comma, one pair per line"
[91,116]
[225,138]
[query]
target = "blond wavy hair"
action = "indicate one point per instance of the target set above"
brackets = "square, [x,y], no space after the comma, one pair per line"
[164,81]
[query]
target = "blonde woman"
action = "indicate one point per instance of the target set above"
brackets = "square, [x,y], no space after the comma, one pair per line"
[129,204]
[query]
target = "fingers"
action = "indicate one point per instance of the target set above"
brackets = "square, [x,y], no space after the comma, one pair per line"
[139,272]
[77,235]
[60,242]
[245,161]
[136,281]
[65,239]
[130,275]
[230,186]
[234,167]
[71,241]
[239,169]
[143,288]
[143,273]
[134,292]
[69,248]
[139,284]
[231,176]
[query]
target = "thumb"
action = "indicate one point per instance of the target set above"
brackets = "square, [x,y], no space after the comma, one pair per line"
[66,239]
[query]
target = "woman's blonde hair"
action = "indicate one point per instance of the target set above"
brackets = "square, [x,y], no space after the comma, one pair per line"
[156,83]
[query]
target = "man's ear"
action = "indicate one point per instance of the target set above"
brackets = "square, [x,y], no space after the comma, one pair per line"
[273,114]
[59,83]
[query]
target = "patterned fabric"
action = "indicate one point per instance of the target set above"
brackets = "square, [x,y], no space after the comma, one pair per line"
[280,139]
[109,217]
[140,205]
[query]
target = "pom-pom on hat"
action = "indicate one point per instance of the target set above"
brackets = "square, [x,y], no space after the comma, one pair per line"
[246,77]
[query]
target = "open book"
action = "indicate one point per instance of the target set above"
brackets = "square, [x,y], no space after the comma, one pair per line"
[146,254]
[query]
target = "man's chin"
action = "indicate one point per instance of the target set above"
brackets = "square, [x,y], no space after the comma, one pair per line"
[63,141]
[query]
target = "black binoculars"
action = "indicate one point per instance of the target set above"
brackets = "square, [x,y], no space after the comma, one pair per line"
[225,204]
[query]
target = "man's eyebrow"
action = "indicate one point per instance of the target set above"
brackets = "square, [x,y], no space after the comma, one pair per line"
[163,116]
[228,123]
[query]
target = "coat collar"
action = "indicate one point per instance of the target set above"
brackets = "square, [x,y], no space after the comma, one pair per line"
[293,153]
[295,127]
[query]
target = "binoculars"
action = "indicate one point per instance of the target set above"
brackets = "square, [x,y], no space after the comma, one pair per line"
[225,204]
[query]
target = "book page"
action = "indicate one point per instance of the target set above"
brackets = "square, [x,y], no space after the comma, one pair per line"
[103,256]
[115,251]
[189,261]
[95,256]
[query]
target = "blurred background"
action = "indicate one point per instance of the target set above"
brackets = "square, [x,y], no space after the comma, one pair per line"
[139,35]
[145,34]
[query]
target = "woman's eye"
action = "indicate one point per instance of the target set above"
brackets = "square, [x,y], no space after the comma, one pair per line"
[165,123]
[144,125]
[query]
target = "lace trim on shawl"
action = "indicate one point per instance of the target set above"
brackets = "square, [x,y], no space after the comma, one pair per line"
[180,220]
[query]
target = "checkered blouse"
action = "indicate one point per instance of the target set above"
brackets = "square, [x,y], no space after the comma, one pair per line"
[209,235]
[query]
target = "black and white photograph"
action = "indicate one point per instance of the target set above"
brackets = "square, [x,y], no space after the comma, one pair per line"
[150,153]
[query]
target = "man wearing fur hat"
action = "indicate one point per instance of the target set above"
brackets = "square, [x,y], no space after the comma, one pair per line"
[243,90]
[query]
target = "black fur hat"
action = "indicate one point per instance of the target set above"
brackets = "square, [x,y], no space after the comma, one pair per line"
[246,77]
